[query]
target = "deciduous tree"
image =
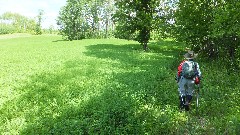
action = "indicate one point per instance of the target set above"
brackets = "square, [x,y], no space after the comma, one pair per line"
[15,22]
[137,18]
[38,30]
[209,26]
[85,18]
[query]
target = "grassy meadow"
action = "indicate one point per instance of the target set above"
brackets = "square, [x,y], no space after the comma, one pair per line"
[107,86]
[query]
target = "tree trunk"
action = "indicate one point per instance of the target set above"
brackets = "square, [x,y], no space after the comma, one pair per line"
[145,47]
[106,29]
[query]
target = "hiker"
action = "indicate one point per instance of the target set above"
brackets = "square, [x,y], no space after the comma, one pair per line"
[188,75]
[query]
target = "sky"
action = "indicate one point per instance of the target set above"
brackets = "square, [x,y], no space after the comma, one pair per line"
[30,8]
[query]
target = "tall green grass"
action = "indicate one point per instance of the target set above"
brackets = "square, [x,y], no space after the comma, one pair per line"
[106,86]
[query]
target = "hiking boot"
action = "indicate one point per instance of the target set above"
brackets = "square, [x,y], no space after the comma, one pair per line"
[187,108]
[187,104]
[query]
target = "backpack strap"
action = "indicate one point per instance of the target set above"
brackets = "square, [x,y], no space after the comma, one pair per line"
[195,68]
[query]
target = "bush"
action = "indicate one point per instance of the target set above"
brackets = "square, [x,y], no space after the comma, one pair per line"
[6,29]
[238,56]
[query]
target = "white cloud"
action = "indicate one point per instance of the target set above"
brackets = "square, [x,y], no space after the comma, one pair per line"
[30,8]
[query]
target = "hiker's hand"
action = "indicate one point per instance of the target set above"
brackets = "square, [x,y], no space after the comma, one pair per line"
[197,80]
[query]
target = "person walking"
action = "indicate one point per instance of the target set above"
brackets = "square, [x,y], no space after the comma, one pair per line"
[188,75]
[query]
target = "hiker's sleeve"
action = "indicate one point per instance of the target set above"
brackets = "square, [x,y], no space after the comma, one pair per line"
[179,72]
[180,68]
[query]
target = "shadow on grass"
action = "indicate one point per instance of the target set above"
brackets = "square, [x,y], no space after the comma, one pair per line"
[122,91]
[60,40]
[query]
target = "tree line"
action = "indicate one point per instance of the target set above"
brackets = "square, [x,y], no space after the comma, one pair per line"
[17,23]
[210,27]
[86,19]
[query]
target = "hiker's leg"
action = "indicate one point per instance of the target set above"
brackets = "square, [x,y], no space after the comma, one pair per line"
[188,98]
[182,102]
[182,92]
[189,94]
[190,88]
[188,102]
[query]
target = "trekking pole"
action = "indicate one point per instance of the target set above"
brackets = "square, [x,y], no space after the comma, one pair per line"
[197,98]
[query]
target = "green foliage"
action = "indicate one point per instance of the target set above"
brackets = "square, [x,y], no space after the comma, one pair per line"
[16,23]
[6,29]
[70,20]
[52,86]
[193,20]
[50,30]
[210,27]
[136,19]
[238,56]
[38,29]
[86,19]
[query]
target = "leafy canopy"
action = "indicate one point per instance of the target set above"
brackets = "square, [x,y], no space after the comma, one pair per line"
[136,19]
